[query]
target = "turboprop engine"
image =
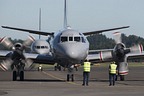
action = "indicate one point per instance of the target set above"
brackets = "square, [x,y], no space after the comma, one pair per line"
[16,58]
[120,53]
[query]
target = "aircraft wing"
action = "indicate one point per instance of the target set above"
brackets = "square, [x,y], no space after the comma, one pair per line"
[30,31]
[132,56]
[106,30]
[38,58]
[97,56]
[4,53]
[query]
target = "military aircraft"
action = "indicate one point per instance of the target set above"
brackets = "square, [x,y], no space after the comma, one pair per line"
[69,47]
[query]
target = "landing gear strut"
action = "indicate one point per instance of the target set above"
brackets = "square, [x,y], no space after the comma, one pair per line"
[57,67]
[70,74]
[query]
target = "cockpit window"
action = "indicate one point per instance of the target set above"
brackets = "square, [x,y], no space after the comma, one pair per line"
[42,47]
[77,39]
[70,38]
[64,39]
[38,47]
[83,40]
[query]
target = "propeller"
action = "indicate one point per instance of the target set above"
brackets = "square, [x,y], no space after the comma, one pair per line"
[16,57]
[119,53]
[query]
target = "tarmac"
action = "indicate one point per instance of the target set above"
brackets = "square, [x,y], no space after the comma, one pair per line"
[53,83]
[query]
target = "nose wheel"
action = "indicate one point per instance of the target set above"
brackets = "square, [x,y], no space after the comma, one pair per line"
[70,76]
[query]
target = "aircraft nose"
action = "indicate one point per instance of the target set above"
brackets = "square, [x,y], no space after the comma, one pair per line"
[75,53]
[72,53]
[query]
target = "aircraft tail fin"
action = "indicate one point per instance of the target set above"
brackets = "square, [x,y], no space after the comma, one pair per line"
[39,22]
[65,15]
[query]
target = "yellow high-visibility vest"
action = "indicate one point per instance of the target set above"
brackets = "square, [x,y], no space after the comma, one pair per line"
[113,68]
[87,66]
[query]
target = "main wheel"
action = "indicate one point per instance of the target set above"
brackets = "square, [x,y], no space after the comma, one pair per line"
[14,76]
[21,75]
[68,77]
[122,78]
[72,77]
[55,68]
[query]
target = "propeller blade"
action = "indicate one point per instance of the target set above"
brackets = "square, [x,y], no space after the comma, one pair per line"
[117,37]
[137,48]
[29,41]
[6,64]
[6,42]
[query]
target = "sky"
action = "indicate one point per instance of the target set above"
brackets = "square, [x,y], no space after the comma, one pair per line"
[83,15]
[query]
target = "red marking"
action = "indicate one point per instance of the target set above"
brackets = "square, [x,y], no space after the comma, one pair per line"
[2,39]
[101,56]
[116,32]
[141,48]
[123,73]
[31,37]
[1,65]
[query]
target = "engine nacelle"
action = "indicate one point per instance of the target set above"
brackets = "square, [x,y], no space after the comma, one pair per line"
[123,68]
[105,55]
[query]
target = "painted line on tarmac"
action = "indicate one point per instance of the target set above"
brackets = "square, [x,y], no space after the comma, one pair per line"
[59,78]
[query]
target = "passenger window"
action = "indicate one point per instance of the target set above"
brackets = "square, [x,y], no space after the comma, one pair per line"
[70,38]
[64,39]
[77,39]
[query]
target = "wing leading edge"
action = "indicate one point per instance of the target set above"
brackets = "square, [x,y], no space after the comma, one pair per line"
[30,31]
[106,30]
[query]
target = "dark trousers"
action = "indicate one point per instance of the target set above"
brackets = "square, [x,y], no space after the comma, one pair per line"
[86,78]
[112,78]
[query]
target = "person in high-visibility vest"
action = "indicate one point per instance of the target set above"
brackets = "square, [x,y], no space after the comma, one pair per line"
[112,73]
[86,72]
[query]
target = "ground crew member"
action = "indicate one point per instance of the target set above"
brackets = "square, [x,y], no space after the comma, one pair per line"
[86,72]
[112,73]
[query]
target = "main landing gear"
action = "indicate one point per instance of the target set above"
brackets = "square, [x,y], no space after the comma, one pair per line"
[122,77]
[18,72]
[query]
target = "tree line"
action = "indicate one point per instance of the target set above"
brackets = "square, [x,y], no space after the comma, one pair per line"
[100,41]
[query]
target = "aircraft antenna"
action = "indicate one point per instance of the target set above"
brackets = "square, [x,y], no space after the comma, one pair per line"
[65,14]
